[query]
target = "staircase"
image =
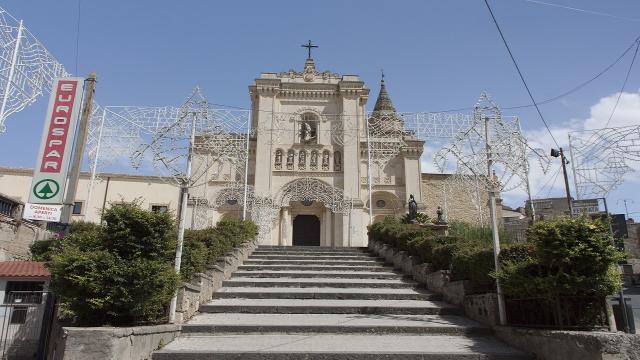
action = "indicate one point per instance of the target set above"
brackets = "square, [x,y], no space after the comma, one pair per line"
[329,303]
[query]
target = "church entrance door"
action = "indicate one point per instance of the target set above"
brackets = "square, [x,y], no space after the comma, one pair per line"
[306,230]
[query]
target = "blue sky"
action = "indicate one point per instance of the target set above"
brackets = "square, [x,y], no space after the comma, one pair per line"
[437,55]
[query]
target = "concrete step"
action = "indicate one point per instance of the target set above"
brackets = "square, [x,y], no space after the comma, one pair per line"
[314,306]
[324,293]
[312,257]
[333,323]
[253,261]
[320,274]
[313,267]
[310,248]
[293,252]
[337,347]
[237,281]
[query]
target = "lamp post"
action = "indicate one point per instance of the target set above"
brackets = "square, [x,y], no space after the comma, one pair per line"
[559,153]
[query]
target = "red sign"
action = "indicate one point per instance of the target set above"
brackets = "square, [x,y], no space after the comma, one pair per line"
[59,127]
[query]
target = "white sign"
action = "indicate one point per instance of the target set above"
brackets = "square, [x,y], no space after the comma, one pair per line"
[56,146]
[42,212]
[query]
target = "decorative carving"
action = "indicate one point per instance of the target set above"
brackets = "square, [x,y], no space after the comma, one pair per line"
[314,160]
[278,161]
[290,156]
[302,160]
[325,160]
[309,189]
[337,161]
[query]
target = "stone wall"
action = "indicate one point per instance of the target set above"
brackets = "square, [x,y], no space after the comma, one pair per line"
[15,237]
[632,243]
[458,203]
[572,345]
[201,288]
[130,343]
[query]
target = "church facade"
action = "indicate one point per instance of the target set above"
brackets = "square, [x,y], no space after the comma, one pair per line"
[319,168]
[308,156]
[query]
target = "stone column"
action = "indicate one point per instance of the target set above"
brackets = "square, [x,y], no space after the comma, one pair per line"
[286,228]
[326,224]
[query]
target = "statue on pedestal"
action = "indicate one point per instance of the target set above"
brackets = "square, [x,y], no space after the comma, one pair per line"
[413,209]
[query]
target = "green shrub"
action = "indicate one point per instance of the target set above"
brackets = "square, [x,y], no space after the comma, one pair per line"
[43,250]
[118,274]
[572,257]
[194,255]
[78,227]
[421,218]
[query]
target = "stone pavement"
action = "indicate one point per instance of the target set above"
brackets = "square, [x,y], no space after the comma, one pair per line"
[325,303]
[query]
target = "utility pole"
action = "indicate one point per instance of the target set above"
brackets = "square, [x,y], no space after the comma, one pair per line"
[78,149]
[560,153]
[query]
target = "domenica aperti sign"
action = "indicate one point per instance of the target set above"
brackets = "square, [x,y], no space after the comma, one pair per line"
[56,146]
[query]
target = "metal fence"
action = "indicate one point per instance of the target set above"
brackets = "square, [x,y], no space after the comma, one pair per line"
[567,312]
[25,323]
[7,206]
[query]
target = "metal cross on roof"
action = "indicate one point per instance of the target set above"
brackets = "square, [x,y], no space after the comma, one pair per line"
[309,46]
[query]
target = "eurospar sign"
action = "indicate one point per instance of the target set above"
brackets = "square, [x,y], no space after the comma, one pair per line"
[56,146]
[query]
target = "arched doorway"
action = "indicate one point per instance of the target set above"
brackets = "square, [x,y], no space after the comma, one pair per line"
[306,230]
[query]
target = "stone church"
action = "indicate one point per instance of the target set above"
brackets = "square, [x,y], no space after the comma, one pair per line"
[308,159]
[311,179]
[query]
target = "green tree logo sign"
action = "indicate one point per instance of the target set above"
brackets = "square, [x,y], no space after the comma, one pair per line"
[46,189]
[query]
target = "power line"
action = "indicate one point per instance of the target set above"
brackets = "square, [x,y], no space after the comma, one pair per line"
[624,84]
[543,102]
[581,10]
[515,63]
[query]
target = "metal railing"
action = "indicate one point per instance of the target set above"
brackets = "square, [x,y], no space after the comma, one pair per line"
[8,206]
[565,312]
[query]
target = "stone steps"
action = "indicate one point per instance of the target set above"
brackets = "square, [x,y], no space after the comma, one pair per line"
[329,306]
[324,293]
[318,283]
[319,274]
[329,303]
[314,267]
[332,323]
[337,347]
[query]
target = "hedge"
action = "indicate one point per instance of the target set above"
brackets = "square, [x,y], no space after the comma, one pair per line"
[202,247]
[122,273]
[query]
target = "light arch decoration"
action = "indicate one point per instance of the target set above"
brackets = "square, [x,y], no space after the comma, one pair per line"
[304,189]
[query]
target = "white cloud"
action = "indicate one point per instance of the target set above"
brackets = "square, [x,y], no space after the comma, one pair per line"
[552,184]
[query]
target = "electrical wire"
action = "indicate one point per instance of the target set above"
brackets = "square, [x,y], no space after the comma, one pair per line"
[581,10]
[547,182]
[543,102]
[515,63]
[624,84]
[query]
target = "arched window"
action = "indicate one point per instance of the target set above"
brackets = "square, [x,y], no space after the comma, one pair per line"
[290,159]
[308,128]
[278,160]
[302,160]
[314,160]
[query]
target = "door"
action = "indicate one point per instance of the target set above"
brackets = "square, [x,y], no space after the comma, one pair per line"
[306,230]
